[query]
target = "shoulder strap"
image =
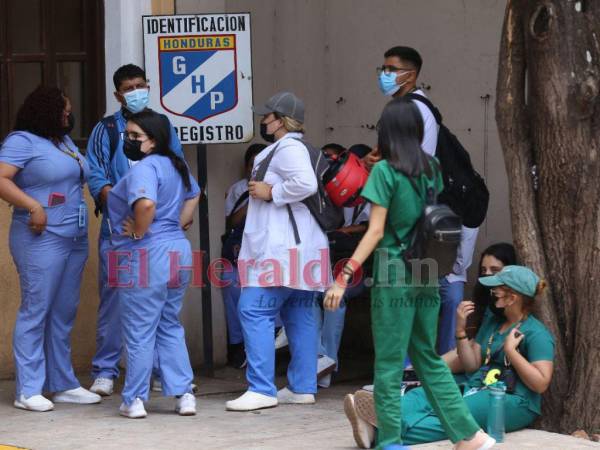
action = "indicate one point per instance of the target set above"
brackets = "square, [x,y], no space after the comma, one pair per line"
[240,200]
[261,171]
[421,98]
[110,125]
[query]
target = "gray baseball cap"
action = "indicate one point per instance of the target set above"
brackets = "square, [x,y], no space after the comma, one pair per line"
[282,103]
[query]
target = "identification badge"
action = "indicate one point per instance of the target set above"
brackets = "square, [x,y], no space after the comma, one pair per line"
[83,214]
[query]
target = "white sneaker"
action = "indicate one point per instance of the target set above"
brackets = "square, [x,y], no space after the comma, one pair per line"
[102,386]
[186,405]
[156,385]
[364,432]
[324,381]
[325,365]
[34,403]
[78,395]
[134,411]
[281,339]
[285,396]
[250,401]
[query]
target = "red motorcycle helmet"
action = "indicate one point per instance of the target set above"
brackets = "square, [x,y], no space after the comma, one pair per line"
[345,179]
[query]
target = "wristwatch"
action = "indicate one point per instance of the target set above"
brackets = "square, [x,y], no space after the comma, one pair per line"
[135,237]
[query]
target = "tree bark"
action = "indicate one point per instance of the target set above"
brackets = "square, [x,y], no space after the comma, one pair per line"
[546,110]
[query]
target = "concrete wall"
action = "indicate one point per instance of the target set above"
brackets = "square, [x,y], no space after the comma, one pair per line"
[326,52]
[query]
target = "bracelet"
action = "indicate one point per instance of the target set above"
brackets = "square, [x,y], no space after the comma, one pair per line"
[459,338]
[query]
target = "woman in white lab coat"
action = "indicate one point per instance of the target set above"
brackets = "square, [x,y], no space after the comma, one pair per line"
[280,272]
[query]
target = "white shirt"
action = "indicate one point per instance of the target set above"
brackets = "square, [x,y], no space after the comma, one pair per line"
[268,243]
[464,255]
[363,216]
[234,192]
[430,126]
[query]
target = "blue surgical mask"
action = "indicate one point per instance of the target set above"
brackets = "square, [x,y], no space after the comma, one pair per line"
[137,100]
[387,83]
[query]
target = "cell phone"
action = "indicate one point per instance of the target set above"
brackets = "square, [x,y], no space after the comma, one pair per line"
[56,198]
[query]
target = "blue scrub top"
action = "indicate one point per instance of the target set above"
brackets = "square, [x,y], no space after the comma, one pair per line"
[45,173]
[155,179]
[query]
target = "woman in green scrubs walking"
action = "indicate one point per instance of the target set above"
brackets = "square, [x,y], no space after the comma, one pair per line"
[404,314]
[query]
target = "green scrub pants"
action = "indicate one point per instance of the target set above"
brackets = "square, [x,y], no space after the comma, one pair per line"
[406,318]
[421,424]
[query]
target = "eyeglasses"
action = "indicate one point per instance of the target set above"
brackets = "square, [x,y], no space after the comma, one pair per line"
[133,136]
[495,292]
[392,69]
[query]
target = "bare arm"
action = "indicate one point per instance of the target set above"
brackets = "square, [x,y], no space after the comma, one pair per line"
[143,216]
[365,247]
[186,218]
[11,193]
[453,361]
[235,218]
[536,375]
[469,351]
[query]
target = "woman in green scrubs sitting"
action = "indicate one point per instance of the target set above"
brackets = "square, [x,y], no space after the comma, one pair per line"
[516,342]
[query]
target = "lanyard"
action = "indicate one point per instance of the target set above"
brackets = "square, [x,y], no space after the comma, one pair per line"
[488,350]
[67,151]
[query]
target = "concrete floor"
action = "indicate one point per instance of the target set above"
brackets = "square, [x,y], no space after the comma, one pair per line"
[321,426]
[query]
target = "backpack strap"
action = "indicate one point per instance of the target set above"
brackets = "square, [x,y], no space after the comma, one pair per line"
[240,200]
[421,98]
[110,125]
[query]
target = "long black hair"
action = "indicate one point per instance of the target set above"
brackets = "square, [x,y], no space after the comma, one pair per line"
[503,252]
[42,113]
[400,132]
[158,128]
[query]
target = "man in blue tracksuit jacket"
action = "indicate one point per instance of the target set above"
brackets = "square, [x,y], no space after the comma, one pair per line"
[108,164]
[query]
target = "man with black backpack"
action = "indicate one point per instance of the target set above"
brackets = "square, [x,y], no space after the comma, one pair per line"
[108,164]
[464,190]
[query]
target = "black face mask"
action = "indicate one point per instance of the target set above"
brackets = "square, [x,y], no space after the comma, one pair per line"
[133,149]
[71,124]
[266,136]
[491,302]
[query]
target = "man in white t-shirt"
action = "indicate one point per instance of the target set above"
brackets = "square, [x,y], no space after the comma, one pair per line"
[398,77]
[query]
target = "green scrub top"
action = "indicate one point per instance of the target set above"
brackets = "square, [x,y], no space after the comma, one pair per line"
[538,345]
[391,189]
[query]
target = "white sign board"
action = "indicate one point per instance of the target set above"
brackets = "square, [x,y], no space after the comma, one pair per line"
[200,72]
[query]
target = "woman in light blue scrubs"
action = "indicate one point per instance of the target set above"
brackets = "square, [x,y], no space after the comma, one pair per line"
[42,175]
[149,209]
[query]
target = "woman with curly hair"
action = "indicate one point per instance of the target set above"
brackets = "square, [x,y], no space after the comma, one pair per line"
[42,175]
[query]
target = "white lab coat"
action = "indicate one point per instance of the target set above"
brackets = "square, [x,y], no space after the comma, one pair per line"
[268,233]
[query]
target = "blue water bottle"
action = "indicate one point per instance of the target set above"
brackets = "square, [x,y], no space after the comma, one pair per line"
[495,423]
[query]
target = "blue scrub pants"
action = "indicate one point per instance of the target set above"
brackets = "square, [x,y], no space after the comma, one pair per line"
[150,320]
[50,268]
[451,295]
[109,341]
[258,309]
[231,298]
[331,323]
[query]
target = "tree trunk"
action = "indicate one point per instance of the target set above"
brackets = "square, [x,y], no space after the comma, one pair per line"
[547,115]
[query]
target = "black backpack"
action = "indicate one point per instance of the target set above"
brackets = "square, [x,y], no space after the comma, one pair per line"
[328,216]
[435,236]
[464,189]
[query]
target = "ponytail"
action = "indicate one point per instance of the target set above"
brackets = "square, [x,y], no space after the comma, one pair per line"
[181,168]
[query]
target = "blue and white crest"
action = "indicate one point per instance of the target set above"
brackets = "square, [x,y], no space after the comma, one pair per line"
[198,75]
